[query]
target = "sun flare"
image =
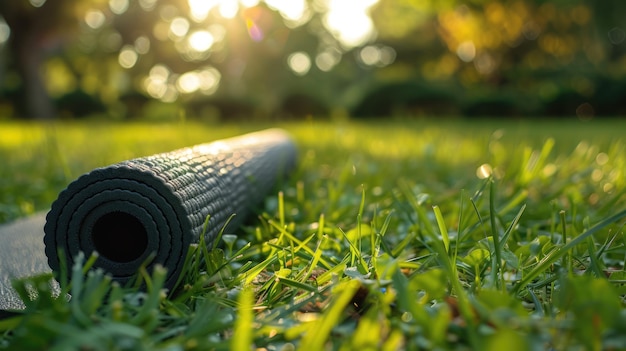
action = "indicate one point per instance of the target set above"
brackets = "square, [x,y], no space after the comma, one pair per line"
[349,21]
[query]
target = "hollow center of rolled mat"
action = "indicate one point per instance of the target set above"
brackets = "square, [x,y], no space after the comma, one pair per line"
[119,237]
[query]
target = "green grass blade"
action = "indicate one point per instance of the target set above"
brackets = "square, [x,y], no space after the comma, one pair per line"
[243,333]
[318,333]
[442,228]
[296,284]
[509,229]
[497,262]
[556,254]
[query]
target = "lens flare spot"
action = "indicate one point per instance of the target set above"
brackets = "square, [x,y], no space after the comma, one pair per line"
[254,31]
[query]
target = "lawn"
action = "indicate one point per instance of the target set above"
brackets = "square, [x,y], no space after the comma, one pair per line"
[390,235]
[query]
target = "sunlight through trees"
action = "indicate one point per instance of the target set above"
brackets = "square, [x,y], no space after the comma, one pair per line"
[333,51]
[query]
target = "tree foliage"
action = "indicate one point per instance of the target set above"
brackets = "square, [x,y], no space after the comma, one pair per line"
[229,58]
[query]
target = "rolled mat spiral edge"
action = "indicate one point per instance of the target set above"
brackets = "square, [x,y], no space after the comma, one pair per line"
[154,207]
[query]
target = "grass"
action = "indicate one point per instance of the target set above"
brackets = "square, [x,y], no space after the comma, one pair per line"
[396,235]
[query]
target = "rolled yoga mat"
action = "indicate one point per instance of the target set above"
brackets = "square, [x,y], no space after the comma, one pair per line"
[153,208]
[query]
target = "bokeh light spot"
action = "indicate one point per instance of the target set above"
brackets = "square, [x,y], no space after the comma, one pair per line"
[118,7]
[485,64]
[142,45]
[168,12]
[484,171]
[349,21]
[290,10]
[531,30]
[36,3]
[376,55]
[205,80]
[585,112]
[249,3]
[188,82]
[209,80]
[299,62]
[549,170]
[179,27]
[157,84]
[154,89]
[161,30]
[147,5]
[229,8]
[466,51]
[112,42]
[387,56]
[217,31]
[159,73]
[602,158]
[597,175]
[127,57]
[94,19]
[201,40]
[5,31]
[171,93]
[327,59]
[199,9]
[617,35]
[370,55]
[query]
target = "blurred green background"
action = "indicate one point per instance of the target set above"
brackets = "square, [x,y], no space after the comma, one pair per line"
[230,60]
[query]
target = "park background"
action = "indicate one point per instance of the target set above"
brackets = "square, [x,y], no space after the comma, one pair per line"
[227,60]
[438,139]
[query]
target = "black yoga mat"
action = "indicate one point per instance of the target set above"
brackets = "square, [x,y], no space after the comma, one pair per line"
[153,208]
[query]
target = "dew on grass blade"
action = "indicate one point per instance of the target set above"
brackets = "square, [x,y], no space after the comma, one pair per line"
[484,171]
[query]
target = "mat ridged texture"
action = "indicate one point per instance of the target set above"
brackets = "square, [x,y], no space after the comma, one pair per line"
[157,205]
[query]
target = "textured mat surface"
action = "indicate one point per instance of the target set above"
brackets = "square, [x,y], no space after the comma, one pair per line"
[21,255]
[156,206]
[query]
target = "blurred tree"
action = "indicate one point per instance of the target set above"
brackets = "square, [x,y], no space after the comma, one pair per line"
[534,50]
[504,57]
[39,28]
[175,50]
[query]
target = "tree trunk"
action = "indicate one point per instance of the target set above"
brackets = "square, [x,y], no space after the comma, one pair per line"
[28,59]
[35,34]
